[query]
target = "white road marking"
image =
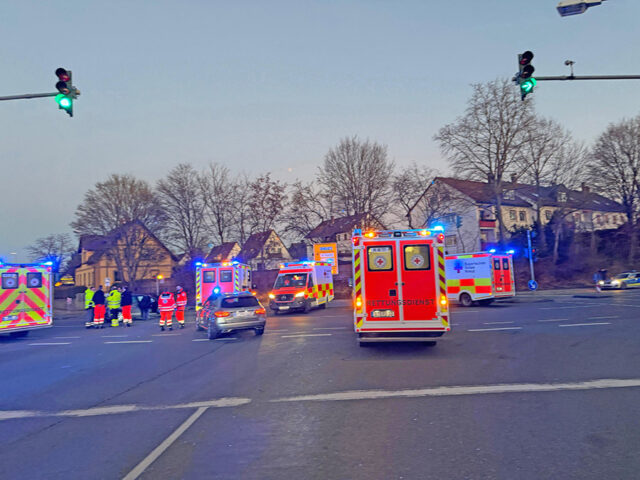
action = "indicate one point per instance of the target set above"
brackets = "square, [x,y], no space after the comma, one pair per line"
[308,335]
[225,339]
[497,323]
[52,343]
[603,318]
[64,338]
[159,450]
[115,336]
[166,334]
[464,390]
[330,328]
[119,409]
[584,324]
[558,308]
[493,329]
[200,340]
[465,311]
[130,341]
[554,320]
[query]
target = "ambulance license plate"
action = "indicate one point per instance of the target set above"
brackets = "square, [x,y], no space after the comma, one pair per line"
[10,318]
[284,308]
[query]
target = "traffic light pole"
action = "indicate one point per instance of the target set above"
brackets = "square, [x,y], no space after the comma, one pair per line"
[589,77]
[28,95]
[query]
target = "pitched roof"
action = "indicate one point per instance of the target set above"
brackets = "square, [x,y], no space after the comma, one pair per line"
[583,200]
[254,245]
[330,228]
[221,252]
[481,192]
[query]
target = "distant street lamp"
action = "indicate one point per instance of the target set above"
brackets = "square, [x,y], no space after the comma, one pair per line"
[159,277]
[575,7]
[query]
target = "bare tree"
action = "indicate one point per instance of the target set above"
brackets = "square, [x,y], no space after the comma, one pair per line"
[265,202]
[308,206]
[614,169]
[56,248]
[484,144]
[357,175]
[409,187]
[181,199]
[118,200]
[220,195]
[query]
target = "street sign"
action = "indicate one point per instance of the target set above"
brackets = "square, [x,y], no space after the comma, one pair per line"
[533,285]
[327,252]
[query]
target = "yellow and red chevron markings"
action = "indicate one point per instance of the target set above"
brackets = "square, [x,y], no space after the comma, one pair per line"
[25,306]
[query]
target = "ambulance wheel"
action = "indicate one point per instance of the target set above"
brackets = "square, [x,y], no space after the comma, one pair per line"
[623,285]
[307,307]
[324,305]
[465,300]
[212,331]
[22,333]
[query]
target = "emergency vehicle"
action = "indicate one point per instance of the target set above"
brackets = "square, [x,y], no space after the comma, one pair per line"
[26,295]
[302,286]
[480,277]
[399,286]
[226,277]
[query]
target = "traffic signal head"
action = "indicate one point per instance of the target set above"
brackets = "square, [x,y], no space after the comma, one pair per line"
[67,92]
[525,72]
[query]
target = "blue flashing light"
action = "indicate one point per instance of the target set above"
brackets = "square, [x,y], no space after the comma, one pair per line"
[511,252]
[493,250]
[198,264]
[50,264]
[437,228]
[357,231]
[216,290]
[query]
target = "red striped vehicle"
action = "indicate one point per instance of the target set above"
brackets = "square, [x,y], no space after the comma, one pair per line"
[399,286]
[26,294]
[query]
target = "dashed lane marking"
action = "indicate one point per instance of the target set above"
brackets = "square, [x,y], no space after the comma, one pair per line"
[584,324]
[493,329]
[65,338]
[555,320]
[50,343]
[603,318]
[307,335]
[225,339]
[115,336]
[200,340]
[128,341]
[497,323]
[465,311]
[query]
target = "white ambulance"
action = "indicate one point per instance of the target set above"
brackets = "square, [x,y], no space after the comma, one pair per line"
[399,286]
[26,296]
[479,277]
[225,277]
[302,286]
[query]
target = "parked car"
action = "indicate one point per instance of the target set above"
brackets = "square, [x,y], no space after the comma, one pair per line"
[227,312]
[621,281]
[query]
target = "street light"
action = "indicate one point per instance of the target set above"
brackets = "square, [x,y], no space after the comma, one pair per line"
[158,278]
[575,7]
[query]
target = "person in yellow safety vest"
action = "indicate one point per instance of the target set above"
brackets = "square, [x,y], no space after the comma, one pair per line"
[88,303]
[113,303]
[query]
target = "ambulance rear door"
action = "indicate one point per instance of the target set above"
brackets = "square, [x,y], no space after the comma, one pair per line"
[208,277]
[381,281]
[226,279]
[502,276]
[10,299]
[418,286]
[35,296]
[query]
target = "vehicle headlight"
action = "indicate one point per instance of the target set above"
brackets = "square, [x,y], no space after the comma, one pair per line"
[615,282]
[272,296]
[300,294]
[601,282]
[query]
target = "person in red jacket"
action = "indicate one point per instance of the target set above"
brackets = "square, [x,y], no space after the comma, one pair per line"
[166,306]
[181,305]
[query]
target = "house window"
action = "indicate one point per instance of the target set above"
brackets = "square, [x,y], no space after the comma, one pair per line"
[512,215]
[523,216]
[274,251]
[562,196]
[450,240]
[547,214]
[510,195]
[116,276]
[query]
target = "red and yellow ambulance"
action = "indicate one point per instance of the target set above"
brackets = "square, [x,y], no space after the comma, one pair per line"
[26,295]
[399,286]
[479,277]
[302,286]
[225,277]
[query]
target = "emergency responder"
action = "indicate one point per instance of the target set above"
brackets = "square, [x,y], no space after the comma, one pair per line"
[144,304]
[98,308]
[88,303]
[125,301]
[181,305]
[113,302]
[166,305]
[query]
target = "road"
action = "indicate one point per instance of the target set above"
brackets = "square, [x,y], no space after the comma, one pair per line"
[542,387]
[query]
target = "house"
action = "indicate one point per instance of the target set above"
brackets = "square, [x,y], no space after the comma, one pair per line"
[223,253]
[339,230]
[470,220]
[264,251]
[130,253]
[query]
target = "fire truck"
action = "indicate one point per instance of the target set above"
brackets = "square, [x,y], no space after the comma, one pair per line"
[26,297]
[302,286]
[399,286]
[225,277]
[479,277]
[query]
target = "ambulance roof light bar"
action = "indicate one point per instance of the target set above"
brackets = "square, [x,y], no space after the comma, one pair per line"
[399,233]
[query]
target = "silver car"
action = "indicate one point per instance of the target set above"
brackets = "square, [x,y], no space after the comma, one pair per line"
[226,312]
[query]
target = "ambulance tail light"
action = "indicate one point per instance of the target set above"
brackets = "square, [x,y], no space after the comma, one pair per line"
[359,302]
[299,294]
[272,296]
[441,237]
[382,313]
[356,241]
[443,301]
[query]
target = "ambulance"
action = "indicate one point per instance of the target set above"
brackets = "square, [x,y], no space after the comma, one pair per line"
[225,277]
[399,286]
[26,295]
[302,286]
[479,277]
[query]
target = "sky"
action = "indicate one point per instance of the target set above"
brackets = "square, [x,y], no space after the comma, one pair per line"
[271,86]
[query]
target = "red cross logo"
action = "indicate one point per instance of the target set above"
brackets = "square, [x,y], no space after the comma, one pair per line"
[380,262]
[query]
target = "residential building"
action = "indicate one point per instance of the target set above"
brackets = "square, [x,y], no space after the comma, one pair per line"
[470,220]
[128,254]
[264,251]
[223,253]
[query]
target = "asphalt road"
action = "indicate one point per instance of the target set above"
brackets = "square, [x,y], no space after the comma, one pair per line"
[542,387]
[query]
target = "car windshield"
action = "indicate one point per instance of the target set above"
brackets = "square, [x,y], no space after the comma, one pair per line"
[622,275]
[291,280]
[239,302]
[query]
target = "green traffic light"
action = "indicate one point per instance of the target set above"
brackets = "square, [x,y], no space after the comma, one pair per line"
[527,85]
[63,101]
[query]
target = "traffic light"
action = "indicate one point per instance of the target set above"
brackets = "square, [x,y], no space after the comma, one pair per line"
[525,73]
[67,91]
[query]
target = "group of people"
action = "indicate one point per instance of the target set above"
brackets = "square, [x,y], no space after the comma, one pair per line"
[116,306]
